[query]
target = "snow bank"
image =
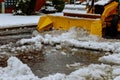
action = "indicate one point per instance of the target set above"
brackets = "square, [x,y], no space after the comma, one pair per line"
[31,40]
[71,39]
[78,38]
[16,70]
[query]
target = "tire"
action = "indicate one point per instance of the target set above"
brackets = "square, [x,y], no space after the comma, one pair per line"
[112,29]
[114,25]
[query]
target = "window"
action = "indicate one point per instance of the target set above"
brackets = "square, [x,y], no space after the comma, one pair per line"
[10,3]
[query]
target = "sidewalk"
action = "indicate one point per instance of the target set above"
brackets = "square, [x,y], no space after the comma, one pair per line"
[9,20]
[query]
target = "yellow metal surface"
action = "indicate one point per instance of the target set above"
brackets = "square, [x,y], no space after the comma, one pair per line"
[43,23]
[94,26]
[109,10]
[118,26]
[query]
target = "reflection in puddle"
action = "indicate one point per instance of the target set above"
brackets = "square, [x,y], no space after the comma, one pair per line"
[59,61]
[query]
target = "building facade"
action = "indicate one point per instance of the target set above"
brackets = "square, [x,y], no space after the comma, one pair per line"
[10,5]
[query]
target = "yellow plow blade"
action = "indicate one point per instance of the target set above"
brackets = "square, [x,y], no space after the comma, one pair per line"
[44,22]
[94,26]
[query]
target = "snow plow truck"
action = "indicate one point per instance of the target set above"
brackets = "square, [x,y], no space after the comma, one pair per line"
[99,18]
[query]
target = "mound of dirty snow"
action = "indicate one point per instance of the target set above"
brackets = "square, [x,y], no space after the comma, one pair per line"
[16,70]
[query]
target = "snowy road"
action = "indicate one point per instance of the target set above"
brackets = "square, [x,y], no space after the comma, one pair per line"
[59,54]
[49,53]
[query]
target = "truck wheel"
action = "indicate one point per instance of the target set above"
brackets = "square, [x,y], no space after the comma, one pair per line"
[111,30]
[114,25]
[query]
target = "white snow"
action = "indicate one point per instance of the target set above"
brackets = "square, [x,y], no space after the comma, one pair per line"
[9,20]
[71,38]
[79,9]
[114,58]
[102,2]
[16,70]
[72,6]
[75,11]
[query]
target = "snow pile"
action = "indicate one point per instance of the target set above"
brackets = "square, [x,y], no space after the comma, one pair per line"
[23,45]
[72,35]
[72,38]
[16,70]
[114,58]
[34,40]
[77,38]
